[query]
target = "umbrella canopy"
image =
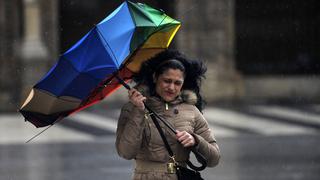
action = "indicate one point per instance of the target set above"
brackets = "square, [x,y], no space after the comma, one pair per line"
[85,74]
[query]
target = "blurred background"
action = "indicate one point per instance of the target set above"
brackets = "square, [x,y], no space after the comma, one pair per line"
[262,87]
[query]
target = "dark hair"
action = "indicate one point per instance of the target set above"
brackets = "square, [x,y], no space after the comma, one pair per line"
[194,72]
[169,64]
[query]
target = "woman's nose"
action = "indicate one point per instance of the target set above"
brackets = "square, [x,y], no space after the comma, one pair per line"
[171,86]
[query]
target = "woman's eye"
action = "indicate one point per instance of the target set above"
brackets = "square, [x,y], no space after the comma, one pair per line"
[178,83]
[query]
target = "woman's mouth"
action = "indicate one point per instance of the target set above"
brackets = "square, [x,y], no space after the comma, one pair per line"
[169,93]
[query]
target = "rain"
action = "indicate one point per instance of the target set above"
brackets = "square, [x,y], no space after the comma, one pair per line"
[262,88]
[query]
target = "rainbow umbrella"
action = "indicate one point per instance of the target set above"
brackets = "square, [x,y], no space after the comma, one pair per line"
[88,71]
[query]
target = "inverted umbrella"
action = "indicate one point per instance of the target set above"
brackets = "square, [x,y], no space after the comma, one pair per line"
[87,72]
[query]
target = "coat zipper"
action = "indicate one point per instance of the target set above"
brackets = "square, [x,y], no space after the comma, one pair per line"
[167,106]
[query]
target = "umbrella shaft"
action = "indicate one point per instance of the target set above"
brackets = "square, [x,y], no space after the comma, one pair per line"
[121,81]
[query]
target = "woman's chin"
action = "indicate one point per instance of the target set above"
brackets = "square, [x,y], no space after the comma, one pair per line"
[168,98]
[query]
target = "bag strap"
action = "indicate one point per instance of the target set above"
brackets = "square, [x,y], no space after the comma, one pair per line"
[163,137]
[199,156]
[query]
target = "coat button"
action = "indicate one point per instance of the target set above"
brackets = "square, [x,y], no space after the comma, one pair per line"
[176,111]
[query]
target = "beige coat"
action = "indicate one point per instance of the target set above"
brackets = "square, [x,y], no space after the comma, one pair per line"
[138,138]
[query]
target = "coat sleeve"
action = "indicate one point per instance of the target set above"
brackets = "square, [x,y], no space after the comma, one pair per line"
[206,143]
[129,131]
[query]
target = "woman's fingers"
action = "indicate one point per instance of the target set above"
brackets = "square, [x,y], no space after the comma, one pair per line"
[136,98]
[185,138]
[132,92]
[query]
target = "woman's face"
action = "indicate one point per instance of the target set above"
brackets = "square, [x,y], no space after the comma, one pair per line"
[169,84]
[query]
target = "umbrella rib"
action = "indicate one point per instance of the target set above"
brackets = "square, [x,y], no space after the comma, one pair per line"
[100,35]
[156,29]
[76,70]
[38,134]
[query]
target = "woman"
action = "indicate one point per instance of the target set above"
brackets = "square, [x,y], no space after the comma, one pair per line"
[169,84]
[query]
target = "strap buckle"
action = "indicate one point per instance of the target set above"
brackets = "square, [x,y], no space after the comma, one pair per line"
[171,165]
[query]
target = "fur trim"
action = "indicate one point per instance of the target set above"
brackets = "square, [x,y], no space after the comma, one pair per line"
[189,97]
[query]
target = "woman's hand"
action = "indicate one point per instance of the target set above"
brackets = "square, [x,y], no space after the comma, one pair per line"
[186,139]
[136,98]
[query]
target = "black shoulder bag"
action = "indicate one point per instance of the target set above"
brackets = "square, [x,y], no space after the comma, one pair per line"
[183,173]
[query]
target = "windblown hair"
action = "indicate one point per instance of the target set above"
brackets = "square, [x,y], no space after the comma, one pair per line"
[194,72]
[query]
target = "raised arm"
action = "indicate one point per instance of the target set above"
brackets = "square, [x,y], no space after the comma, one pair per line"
[129,131]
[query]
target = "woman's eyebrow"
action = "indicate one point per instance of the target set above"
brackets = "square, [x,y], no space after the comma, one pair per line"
[172,79]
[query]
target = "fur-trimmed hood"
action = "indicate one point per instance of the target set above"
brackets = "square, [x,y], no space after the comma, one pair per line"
[186,96]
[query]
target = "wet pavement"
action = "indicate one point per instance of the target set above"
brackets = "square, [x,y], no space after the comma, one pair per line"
[243,158]
[269,158]
[271,145]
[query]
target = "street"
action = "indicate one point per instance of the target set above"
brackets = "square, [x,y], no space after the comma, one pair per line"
[256,141]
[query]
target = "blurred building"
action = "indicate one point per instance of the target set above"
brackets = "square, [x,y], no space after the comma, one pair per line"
[255,50]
